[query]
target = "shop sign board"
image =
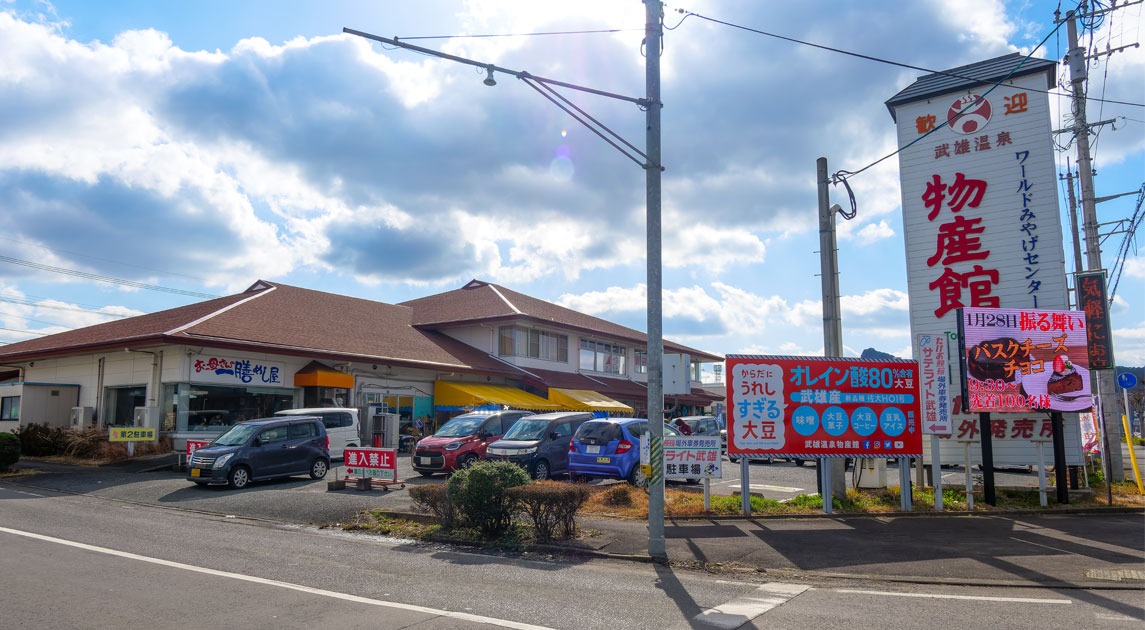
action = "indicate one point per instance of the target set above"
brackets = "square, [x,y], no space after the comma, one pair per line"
[207,368]
[377,463]
[692,457]
[132,434]
[1021,360]
[934,385]
[780,406]
[1091,299]
[194,445]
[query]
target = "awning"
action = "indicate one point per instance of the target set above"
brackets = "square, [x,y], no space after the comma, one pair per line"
[450,395]
[586,400]
[316,374]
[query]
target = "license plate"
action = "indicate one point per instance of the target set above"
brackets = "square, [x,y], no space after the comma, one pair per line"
[592,448]
[603,460]
[424,461]
[194,472]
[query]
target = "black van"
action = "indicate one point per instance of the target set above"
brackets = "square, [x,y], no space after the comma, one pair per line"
[263,449]
[540,443]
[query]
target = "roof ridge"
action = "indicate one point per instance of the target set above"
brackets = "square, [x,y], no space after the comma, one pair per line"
[497,290]
[260,293]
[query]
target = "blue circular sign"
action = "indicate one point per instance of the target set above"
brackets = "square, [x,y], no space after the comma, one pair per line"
[892,421]
[864,421]
[805,420]
[835,421]
[1127,380]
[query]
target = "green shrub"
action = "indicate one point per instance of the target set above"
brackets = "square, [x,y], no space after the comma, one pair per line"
[434,498]
[552,506]
[479,497]
[9,450]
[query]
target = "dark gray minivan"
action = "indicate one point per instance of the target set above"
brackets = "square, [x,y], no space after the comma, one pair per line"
[263,449]
[540,443]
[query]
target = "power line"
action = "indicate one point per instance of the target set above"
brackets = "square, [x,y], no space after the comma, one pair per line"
[599,31]
[872,57]
[117,262]
[58,307]
[108,279]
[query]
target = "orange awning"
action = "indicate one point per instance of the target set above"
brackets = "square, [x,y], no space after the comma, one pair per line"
[316,374]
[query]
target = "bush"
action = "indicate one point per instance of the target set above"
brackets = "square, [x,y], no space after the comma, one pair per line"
[480,498]
[434,499]
[552,506]
[617,496]
[40,440]
[9,450]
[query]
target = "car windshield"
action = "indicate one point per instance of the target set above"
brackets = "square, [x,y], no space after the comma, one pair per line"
[461,426]
[525,430]
[237,435]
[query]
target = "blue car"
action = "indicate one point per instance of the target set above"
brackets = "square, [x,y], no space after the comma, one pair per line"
[609,448]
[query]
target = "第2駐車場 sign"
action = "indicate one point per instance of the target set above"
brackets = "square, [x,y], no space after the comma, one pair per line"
[822,407]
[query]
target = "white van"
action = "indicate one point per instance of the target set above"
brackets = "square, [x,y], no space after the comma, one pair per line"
[342,426]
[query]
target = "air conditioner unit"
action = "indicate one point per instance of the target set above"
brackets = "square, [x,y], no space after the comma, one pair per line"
[82,416]
[147,417]
[677,374]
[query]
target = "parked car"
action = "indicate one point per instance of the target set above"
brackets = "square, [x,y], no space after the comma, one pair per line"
[463,440]
[342,426]
[540,443]
[263,449]
[609,448]
[704,425]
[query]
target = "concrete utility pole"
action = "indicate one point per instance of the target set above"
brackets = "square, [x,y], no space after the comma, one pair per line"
[1102,383]
[652,27]
[834,476]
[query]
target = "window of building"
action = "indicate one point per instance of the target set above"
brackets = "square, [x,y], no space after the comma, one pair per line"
[516,341]
[641,362]
[598,356]
[10,408]
[195,407]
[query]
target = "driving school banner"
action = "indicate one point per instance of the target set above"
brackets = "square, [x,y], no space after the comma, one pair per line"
[822,407]
[1021,360]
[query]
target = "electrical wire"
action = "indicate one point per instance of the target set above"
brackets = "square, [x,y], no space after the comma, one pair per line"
[108,279]
[593,32]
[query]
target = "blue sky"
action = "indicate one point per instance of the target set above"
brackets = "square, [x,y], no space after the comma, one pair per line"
[201,146]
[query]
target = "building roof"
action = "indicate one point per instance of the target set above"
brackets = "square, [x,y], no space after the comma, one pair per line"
[485,303]
[971,76]
[288,320]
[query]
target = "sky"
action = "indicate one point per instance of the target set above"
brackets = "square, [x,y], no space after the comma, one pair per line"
[154,154]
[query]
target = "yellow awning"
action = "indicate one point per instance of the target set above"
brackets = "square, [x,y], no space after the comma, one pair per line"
[586,400]
[317,375]
[447,394]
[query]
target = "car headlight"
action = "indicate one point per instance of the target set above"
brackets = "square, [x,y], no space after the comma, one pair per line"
[222,461]
[527,451]
[453,446]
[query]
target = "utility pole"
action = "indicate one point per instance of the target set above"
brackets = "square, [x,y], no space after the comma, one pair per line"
[1077,266]
[657,548]
[833,475]
[1102,384]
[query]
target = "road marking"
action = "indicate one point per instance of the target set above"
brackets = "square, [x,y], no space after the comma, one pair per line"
[287,585]
[978,598]
[743,609]
[774,488]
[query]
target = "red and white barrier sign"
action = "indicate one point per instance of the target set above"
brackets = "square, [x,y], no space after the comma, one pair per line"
[194,445]
[377,463]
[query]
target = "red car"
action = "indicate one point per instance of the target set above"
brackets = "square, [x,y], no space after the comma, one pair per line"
[463,440]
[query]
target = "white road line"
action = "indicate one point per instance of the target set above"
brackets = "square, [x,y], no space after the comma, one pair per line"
[977,598]
[295,587]
[756,486]
[743,609]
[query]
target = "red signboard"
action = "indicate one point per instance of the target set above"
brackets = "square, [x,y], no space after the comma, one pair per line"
[1022,360]
[1091,299]
[820,407]
[194,445]
[381,463]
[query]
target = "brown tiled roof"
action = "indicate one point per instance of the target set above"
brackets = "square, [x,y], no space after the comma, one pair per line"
[484,302]
[302,322]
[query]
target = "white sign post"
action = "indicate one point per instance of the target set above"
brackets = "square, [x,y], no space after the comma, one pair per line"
[934,394]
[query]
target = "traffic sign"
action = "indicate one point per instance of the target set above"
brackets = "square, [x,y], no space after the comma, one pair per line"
[1127,380]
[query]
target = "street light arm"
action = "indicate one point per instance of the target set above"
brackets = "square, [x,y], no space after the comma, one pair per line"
[641,102]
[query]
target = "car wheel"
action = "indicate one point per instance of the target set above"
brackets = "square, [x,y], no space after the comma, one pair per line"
[467,461]
[425,473]
[637,477]
[579,478]
[239,477]
[541,470]
[800,462]
[319,468]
